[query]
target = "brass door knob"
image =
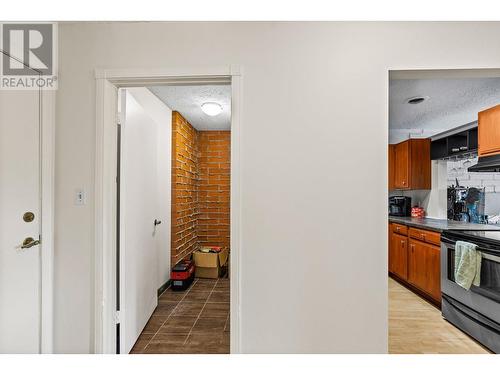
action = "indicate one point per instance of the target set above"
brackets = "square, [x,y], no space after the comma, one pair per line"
[28,217]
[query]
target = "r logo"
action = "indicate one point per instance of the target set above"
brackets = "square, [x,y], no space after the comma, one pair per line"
[30,46]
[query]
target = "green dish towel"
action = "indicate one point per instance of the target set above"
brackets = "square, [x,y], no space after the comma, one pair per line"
[467,264]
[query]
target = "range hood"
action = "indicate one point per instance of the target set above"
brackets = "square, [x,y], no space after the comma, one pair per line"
[486,164]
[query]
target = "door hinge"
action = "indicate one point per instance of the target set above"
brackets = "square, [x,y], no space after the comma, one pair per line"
[118,118]
[118,317]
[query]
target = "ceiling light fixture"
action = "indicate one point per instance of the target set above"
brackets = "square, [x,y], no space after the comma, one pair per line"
[211,108]
[417,99]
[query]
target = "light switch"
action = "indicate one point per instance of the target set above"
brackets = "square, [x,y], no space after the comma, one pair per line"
[80,197]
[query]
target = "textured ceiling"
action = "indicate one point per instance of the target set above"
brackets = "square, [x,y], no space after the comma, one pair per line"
[187,99]
[451,103]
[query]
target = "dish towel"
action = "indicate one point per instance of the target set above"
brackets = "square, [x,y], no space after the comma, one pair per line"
[467,264]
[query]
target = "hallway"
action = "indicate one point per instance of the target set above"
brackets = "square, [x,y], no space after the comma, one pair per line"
[195,321]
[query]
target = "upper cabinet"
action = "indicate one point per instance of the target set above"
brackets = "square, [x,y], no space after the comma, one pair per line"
[458,144]
[489,131]
[402,165]
[411,163]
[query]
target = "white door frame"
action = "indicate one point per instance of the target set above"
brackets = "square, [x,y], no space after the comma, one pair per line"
[107,83]
[47,143]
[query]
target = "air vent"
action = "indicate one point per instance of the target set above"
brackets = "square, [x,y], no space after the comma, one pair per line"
[417,99]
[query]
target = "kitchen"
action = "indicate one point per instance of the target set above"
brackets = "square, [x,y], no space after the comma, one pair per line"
[444,237]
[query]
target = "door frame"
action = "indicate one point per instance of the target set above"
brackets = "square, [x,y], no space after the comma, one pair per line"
[47,144]
[108,81]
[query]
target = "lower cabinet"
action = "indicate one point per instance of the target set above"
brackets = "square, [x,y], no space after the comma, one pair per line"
[424,268]
[416,261]
[398,255]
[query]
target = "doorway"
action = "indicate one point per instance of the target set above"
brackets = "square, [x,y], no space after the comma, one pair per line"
[107,250]
[192,314]
[432,143]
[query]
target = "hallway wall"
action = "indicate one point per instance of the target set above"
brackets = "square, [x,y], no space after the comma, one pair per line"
[313,139]
[185,177]
[201,167]
[214,188]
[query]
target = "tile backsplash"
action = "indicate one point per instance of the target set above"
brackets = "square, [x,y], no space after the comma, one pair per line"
[489,181]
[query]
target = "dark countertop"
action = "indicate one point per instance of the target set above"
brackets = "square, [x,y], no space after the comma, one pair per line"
[440,225]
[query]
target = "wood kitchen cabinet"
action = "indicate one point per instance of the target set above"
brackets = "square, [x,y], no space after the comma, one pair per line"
[401,165]
[489,131]
[391,166]
[411,165]
[424,268]
[414,259]
[398,255]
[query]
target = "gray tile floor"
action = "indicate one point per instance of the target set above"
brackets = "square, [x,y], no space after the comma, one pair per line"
[195,321]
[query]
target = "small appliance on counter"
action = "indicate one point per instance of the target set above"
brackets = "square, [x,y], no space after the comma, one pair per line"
[417,212]
[475,311]
[399,206]
[466,204]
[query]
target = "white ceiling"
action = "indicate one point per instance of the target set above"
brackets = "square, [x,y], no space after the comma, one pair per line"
[187,99]
[452,103]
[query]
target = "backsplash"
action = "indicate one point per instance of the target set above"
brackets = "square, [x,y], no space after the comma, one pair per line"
[443,174]
[489,181]
[433,201]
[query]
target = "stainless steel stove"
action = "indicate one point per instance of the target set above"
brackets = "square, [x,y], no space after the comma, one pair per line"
[475,311]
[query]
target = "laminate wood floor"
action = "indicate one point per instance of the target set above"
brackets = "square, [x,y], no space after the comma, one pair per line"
[416,327]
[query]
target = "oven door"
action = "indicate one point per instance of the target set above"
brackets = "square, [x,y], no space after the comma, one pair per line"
[485,299]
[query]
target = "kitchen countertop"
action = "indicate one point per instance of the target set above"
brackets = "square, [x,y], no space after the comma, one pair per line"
[440,225]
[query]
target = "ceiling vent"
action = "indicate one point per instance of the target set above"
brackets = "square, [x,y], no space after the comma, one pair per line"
[417,99]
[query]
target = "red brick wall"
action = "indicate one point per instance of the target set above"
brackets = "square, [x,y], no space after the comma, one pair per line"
[184,188]
[214,188]
[200,188]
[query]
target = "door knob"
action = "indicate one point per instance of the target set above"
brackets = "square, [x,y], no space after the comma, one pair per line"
[157,222]
[29,242]
[28,217]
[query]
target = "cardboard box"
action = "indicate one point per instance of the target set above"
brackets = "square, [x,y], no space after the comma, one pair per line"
[209,265]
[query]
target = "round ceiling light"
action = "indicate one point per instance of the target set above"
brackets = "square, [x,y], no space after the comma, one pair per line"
[211,108]
[417,99]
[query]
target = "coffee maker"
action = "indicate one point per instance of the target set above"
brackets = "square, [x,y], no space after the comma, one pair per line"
[466,204]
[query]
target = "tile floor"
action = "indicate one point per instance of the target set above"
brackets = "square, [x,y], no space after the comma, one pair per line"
[195,321]
[417,327]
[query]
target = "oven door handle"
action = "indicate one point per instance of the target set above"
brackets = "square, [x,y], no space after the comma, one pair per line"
[446,240]
[486,253]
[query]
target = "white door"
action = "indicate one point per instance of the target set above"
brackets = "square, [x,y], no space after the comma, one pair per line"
[20,285]
[138,207]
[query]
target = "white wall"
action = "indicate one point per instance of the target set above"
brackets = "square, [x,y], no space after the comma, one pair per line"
[313,161]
